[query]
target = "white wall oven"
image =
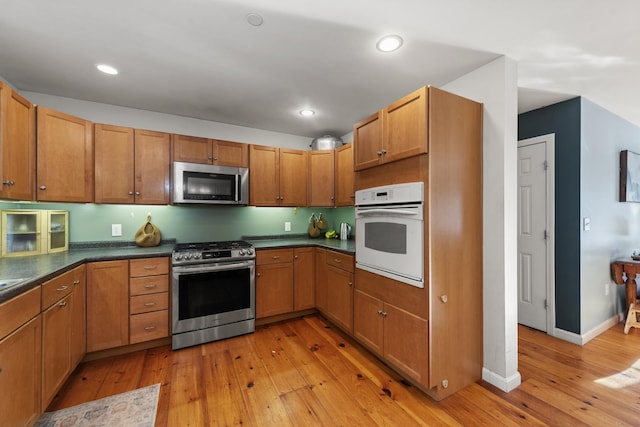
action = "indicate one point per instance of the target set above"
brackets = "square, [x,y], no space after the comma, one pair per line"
[213,292]
[390,232]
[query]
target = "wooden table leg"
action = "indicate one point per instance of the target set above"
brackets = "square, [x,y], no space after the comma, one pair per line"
[631,286]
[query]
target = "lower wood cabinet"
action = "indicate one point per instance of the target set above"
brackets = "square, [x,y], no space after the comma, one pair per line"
[303,279]
[20,359]
[107,304]
[63,326]
[339,282]
[320,273]
[148,299]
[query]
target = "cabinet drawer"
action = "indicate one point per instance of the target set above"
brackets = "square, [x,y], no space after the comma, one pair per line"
[148,285]
[18,310]
[340,260]
[148,266]
[146,303]
[148,326]
[274,256]
[59,287]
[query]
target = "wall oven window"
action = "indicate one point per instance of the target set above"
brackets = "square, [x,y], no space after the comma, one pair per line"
[390,232]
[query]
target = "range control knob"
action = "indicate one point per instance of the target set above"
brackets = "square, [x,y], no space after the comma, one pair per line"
[197,255]
[177,257]
[188,256]
[249,251]
[242,252]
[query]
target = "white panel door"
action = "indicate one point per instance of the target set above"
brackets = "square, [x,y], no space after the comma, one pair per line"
[532,242]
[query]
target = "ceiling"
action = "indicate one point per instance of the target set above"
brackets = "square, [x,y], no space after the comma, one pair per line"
[202,58]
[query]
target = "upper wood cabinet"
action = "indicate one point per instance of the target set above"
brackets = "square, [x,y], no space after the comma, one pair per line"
[64,153]
[17,145]
[396,132]
[131,165]
[344,176]
[321,178]
[277,176]
[194,149]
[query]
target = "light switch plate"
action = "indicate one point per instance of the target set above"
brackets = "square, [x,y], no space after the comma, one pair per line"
[287,226]
[586,223]
[116,230]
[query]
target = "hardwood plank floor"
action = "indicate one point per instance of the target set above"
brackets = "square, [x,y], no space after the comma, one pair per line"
[303,372]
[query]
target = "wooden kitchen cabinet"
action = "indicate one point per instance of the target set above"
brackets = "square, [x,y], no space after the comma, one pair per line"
[274,282]
[131,165]
[218,152]
[344,176]
[21,359]
[396,132]
[64,153]
[17,145]
[63,330]
[321,279]
[107,304]
[148,299]
[339,277]
[303,279]
[322,178]
[277,176]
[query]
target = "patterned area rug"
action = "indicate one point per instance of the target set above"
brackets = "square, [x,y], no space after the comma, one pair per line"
[133,408]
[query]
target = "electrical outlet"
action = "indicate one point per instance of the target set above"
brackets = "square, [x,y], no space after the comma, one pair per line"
[287,226]
[116,230]
[606,289]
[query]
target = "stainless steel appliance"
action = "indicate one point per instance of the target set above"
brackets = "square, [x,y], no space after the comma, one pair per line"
[200,183]
[213,292]
[390,232]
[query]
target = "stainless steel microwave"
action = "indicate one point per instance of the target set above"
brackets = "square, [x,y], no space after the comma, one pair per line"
[209,184]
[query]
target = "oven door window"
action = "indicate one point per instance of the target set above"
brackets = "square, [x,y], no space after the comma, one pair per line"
[386,237]
[205,294]
[207,186]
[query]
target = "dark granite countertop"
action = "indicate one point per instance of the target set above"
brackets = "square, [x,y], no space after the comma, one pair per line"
[35,270]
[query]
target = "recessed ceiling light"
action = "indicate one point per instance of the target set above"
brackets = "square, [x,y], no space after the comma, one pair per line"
[307,113]
[107,69]
[389,43]
[254,19]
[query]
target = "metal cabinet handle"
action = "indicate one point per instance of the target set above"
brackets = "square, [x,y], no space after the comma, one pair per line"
[8,182]
[62,304]
[43,187]
[384,151]
[62,288]
[295,257]
[258,274]
[137,193]
[150,286]
[215,158]
[444,298]
[350,284]
[76,282]
[337,260]
[150,267]
[149,328]
[149,304]
[276,257]
[131,193]
[380,312]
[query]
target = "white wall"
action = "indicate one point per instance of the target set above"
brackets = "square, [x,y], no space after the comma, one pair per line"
[615,226]
[142,119]
[495,85]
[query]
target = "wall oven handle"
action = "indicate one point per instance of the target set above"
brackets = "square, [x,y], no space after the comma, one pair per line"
[371,212]
[213,267]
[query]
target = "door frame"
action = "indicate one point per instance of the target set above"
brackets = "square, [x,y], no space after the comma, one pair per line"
[550,144]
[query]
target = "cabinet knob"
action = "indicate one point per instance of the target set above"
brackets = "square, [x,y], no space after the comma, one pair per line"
[445,383]
[349,283]
[295,257]
[137,193]
[131,193]
[380,312]
[379,152]
[215,158]
[76,282]
[63,304]
[384,314]
[444,298]
[209,157]
[383,151]
[258,274]
[43,187]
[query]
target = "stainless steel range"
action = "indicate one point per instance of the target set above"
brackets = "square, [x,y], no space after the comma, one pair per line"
[213,292]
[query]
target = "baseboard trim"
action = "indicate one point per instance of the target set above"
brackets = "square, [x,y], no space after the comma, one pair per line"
[505,384]
[589,335]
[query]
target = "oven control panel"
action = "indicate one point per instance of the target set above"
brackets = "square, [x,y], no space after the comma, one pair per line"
[203,256]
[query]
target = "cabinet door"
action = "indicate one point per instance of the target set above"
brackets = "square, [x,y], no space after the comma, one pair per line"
[274,289]
[113,164]
[17,146]
[345,192]
[321,279]
[406,342]
[78,316]
[263,176]
[21,375]
[152,167]
[321,178]
[64,153]
[293,177]
[191,149]
[107,304]
[367,142]
[303,279]
[56,348]
[229,153]
[368,320]
[340,297]
[405,126]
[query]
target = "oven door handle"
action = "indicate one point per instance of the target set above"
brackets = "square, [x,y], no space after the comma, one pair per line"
[213,267]
[401,212]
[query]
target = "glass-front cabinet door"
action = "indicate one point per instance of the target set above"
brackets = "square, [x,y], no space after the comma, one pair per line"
[57,226]
[21,232]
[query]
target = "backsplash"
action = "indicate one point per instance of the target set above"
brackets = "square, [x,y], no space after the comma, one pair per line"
[92,222]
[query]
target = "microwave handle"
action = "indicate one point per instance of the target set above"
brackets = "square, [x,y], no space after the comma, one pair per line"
[371,212]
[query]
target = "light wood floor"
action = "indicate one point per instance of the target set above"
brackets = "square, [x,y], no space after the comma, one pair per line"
[304,373]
